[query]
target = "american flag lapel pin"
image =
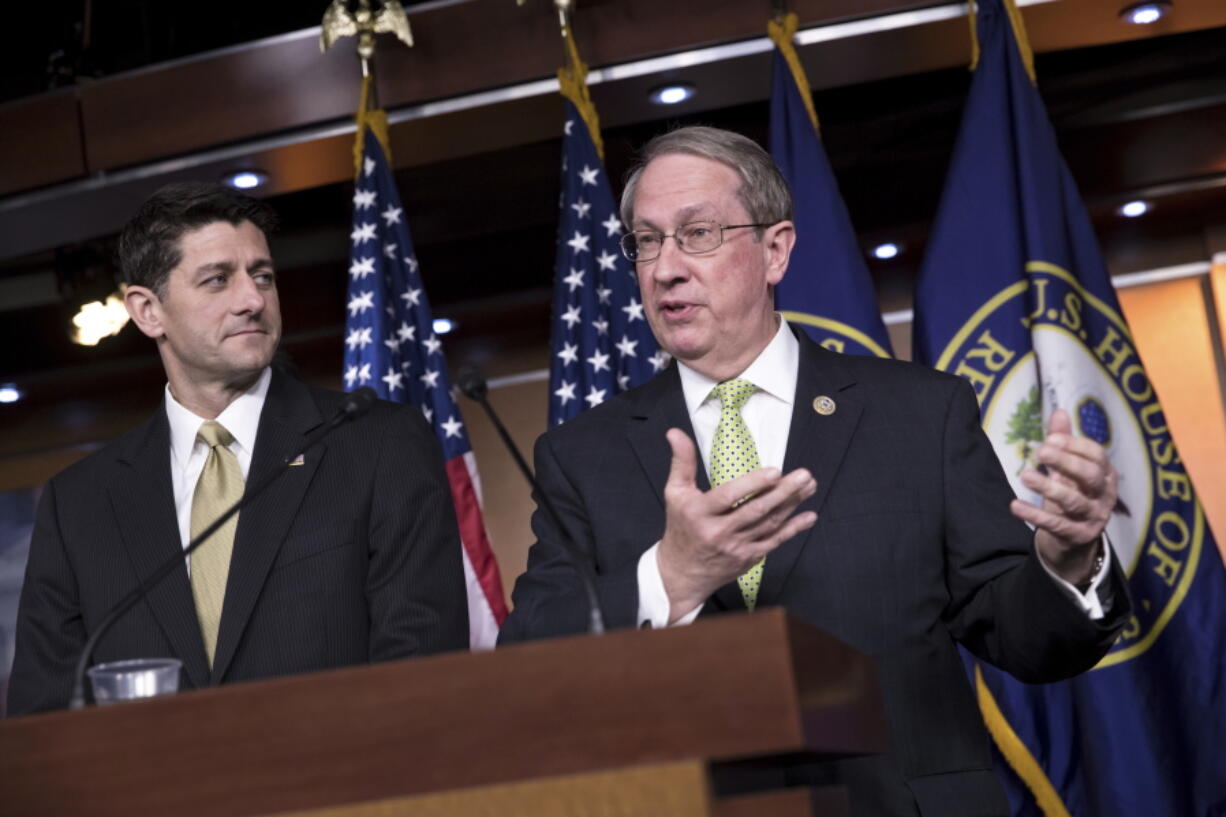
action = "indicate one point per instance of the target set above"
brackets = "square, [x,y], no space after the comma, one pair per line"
[298,460]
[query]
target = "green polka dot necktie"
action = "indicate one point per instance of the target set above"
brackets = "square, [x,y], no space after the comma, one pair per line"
[219,487]
[733,453]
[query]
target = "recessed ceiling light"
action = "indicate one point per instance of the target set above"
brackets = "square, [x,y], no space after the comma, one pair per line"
[886,251]
[1133,209]
[443,325]
[246,179]
[9,393]
[1142,14]
[672,94]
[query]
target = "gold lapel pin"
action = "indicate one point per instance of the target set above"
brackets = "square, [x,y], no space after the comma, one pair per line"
[823,405]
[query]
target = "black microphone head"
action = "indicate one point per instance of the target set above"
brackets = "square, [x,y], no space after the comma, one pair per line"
[472,384]
[358,403]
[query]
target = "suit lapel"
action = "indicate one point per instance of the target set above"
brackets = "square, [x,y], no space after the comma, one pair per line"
[815,441]
[144,503]
[288,414]
[659,406]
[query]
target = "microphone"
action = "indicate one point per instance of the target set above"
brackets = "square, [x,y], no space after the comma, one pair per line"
[354,406]
[473,386]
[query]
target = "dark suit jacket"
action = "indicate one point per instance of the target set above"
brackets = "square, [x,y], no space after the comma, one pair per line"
[351,557]
[914,551]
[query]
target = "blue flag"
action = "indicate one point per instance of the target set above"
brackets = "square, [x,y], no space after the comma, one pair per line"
[601,343]
[827,289]
[1015,297]
[391,346]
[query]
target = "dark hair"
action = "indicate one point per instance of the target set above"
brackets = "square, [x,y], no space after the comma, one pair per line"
[763,192]
[149,244]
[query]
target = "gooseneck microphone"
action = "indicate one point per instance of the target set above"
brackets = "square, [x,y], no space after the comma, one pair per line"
[354,406]
[473,386]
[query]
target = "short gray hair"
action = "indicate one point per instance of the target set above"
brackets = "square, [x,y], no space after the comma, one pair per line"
[763,192]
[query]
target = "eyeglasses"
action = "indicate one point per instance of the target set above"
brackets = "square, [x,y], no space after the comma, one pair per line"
[693,238]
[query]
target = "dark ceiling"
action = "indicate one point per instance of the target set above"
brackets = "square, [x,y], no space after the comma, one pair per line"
[484,223]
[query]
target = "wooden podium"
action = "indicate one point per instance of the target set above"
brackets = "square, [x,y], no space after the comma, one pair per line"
[630,723]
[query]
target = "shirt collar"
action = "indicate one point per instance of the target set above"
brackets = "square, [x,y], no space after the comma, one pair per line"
[774,371]
[241,418]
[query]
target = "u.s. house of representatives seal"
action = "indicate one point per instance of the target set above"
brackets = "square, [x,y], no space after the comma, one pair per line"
[1045,343]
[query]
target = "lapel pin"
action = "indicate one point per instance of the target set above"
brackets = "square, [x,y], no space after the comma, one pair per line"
[298,460]
[823,405]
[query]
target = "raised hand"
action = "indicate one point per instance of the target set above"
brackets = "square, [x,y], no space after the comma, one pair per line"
[710,538]
[1079,492]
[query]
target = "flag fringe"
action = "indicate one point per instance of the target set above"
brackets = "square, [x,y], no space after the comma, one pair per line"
[373,118]
[1016,753]
[1019,34]
[573,81]
[782,30]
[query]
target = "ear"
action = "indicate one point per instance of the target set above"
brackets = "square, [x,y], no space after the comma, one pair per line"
[145,309]
[777,243]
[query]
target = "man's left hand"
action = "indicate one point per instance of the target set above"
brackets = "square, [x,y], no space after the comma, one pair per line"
[1079,492]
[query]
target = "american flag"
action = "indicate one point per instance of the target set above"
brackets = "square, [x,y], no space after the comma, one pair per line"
[601,342]
[391,346]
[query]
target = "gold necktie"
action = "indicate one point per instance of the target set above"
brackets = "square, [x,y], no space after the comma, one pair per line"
[733,454]
[220,486]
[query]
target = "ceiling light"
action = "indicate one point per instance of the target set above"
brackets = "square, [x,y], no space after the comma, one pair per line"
[246,179]
[9,393]
[1133,209]
[672,94]
[98,319]
[443,325]
[1142,14]
[886,251]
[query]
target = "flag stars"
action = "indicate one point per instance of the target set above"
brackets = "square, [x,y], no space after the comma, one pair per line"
[358,338]
[626,347]
[579,242]
[588,175]
[581,208]
[658,361]
[363,233]
[634,310]
[572,316]
[392,343]
[601,326]
[595,397]
[363,199]
[411,296]
[599,360]
[569,126]
[428,413]
[389,250]
[574,280]
[567,392]
[613,224]
[406,332]
[432,344]
[623,381]
[364,374]
[569,353]
[351,376]
[606,260]
[361,302]
[603,294]
[392,215]
[393,379]
[368,165]
[430,378]
[362,267]
[452,427]
[412,262]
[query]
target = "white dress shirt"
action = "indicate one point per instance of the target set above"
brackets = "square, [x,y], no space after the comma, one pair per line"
[187,455]
[768,415]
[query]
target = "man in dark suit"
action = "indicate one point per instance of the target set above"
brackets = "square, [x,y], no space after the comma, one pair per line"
[915,549]
[351,556]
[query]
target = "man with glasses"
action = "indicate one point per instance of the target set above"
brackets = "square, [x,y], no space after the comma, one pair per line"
[915,548]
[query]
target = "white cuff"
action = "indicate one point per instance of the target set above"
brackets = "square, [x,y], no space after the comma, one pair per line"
[1088,601]
[654,605]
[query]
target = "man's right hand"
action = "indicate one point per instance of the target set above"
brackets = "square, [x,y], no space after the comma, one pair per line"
[711,538]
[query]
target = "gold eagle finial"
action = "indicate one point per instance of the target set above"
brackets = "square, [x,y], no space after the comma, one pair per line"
[339,22]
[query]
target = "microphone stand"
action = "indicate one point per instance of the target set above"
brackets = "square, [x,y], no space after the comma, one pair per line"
[473,386]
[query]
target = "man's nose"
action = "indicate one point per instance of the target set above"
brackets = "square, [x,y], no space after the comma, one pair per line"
[672,264]
[248,296]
